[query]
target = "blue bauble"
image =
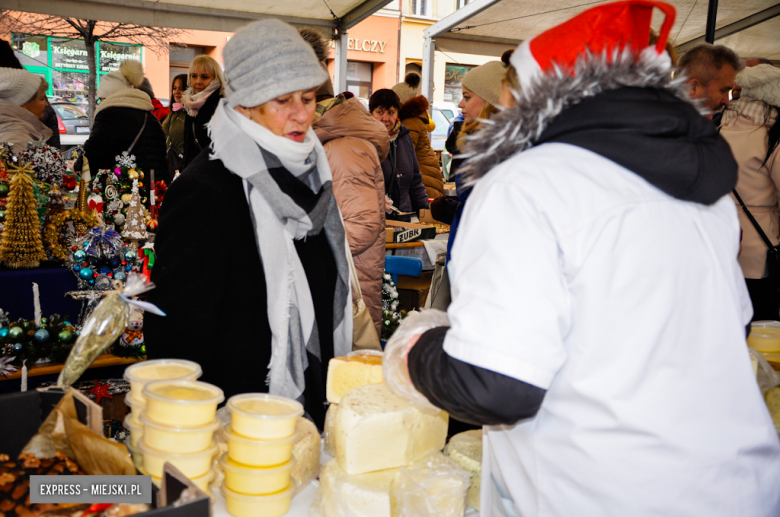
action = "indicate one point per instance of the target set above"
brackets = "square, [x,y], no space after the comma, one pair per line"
[66,323]
[41,336]
[104,270]
[76,268]
[129,255]
[3,332]
[128,267]
[120,275]
[114,262]
[18,346]
[92,282]
[80,255]
[85,273]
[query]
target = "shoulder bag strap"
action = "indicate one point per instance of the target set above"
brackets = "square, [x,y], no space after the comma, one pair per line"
[354,277]
[753,220]
[143,126]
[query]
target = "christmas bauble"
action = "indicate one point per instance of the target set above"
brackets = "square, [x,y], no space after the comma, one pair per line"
[65,336]
[120,275]
[119,219]
[3,332]
[143,349]
[4,189]
[76,268]
[129,255]
[15,332]
[18,346]
[2,215]
[44,321]
[128,267]
[126,198]
[67,323]
[79,255]
[102,282]
[104,270]
[25,324]
[85,273]
[132,174]
[41,336]
[114,262]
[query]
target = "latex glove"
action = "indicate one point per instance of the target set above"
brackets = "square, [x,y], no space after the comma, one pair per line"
[394,366]
[388,204]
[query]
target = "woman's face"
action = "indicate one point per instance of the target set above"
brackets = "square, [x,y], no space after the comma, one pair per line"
[288,115]
[507,100]
[470,105]
[178,90]
[200,78]
[387,116]
[37,105]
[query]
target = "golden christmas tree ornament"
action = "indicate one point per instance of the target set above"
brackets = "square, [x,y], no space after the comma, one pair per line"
[21,245]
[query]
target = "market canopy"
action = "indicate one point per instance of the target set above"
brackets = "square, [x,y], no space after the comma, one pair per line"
[216,15]
[489,27]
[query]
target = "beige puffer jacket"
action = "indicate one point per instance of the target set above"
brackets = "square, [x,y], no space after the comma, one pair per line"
[356,144]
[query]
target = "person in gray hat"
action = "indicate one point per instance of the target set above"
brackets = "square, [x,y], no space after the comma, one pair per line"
[22,105]
[278,301]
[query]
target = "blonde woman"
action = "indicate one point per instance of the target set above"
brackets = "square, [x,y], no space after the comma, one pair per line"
[205,87]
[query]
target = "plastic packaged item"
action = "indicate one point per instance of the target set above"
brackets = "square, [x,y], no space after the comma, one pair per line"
[136,431]
[140,374]
[178,440]
[765,336]
[465,449]
[306,452]
[398,346]
[362,495]
[262,416]
[136,408]
[433,487]
[137,455]
[104,326]
[192,465]
[182,403]
[328,432]
[271,505]
[259,453]
[255,480]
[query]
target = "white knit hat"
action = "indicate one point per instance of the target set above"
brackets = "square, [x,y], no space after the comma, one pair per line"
[409,88]
[761,82]
[17,85]
[129,75]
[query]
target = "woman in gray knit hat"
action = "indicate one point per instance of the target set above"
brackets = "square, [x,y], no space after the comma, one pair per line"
[277,305]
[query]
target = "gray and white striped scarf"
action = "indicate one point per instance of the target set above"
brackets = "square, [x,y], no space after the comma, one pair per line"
[278,221]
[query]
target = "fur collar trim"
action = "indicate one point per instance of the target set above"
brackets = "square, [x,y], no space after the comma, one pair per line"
[128,98]
[414,107]
[516,129]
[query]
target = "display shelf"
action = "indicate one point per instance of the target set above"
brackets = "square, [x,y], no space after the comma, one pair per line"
[55,368]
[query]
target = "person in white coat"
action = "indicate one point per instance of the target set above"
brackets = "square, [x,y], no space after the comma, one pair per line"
[599,333]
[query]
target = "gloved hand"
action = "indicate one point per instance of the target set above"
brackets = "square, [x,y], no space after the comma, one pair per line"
[388,204]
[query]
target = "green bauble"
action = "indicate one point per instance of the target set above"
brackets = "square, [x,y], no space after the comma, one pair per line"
[65,336]
[2,216]
[44,321]
[15,332]
[25,324]
[4,189]
[143,349]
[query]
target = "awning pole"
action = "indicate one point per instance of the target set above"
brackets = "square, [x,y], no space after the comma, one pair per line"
[340,73]
[429,49]
[712,17]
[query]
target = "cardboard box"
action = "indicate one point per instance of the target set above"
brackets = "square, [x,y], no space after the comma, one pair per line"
[426,217]
[408,232]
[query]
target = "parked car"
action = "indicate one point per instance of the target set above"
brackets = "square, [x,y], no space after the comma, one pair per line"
[450,109]
[439,135]
[73,125]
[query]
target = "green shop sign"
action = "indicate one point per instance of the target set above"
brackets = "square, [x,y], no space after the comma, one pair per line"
[31,49]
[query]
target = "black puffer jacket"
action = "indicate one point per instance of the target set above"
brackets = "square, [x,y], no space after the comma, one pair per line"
[114,130]
[405,185]
[196,134]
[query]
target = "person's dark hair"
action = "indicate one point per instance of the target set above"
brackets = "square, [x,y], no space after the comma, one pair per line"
[8,58]
[317,42]
[761,60]
[506,56]
[702,61]
[384,98]
[183,79]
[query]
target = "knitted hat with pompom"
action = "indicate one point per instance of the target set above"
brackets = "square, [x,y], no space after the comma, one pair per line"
[129,75]
[409,88]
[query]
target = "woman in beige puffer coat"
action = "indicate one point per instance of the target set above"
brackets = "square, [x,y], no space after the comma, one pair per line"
[356,144]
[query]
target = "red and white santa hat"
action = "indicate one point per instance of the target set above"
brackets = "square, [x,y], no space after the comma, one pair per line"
[607,27]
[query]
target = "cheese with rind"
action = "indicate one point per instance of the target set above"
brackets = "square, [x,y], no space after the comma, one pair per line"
[305,454]
[377,430]
[342,495]
[465,449]
[350,372]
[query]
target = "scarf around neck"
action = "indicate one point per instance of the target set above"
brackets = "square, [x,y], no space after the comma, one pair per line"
[394,132]
[245,150]
[193,102]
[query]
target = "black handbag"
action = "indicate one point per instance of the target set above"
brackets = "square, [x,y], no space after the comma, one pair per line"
[772,252]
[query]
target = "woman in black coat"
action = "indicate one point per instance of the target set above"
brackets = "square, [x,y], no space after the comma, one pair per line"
[205,89]
[403,180]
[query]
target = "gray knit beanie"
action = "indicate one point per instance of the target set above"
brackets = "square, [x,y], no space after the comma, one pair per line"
[18,86]
[485,81]
[266,59]
[146,87]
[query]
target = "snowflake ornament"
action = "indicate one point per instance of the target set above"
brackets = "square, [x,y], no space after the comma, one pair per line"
[126,160]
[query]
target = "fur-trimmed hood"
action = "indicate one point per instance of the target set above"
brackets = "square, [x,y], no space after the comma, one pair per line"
[633,113]
[414,107]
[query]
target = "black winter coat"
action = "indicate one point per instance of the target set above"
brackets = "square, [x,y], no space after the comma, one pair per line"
[50,119]
[217,316]
[405,186]
[114,131]
[196,135]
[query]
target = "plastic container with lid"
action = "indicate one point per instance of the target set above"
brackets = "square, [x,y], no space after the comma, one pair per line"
[263,416]
[136,408]
[258,453]
[178,440]
[201,482]
[271,505]
[182,403]
[137,455]
[255,480]
[192,465]
[136,431]
[139,374]
[765,337]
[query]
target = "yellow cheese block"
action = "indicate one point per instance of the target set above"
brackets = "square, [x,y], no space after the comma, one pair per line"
[342,495]
[376,430]
[465,449]
[352,371]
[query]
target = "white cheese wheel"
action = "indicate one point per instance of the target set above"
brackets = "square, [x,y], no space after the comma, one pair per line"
[465,449]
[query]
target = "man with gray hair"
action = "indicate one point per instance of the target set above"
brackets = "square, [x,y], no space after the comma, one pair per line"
[711,70]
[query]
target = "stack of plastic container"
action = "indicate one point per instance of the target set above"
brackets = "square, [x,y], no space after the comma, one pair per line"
[139,375]
[259,458]
[178,427]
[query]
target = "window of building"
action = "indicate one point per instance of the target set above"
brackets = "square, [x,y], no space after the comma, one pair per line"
[421,7]
[461,3]
[180,59]
[453,81]
[359,78]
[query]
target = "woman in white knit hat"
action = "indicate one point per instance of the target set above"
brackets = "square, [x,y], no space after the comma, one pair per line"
[22,104]
[277,303]
[750,126]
